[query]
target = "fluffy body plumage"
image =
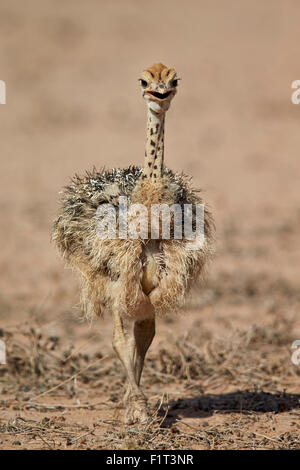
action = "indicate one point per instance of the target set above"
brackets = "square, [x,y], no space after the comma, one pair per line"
[113,270]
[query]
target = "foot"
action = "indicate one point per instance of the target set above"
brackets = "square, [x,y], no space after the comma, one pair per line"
[137,410]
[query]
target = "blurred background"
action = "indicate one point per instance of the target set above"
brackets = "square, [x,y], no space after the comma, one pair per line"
[71,70]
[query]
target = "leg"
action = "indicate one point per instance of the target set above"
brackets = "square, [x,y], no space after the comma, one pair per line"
[144,332]
[124,345]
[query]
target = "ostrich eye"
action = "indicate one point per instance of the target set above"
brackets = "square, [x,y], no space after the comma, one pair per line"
[143,83]
[175,82]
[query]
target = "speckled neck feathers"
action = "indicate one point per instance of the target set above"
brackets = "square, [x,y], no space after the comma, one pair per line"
[154,153]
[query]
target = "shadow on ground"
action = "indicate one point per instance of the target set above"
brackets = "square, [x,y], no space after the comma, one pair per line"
[243,402]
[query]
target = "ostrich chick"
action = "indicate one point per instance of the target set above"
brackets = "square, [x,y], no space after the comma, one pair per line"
[136,278]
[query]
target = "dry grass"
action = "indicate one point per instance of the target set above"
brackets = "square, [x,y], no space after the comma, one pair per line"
[253,366]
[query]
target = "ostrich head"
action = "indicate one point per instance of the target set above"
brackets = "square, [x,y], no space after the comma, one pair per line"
[159,86]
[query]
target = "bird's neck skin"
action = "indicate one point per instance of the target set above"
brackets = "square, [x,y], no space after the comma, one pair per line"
[154,154]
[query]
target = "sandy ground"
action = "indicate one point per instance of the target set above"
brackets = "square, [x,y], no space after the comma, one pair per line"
[220,375]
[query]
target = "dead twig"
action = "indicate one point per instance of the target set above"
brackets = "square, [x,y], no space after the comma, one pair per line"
[70,378]
[44,440]
[62,405]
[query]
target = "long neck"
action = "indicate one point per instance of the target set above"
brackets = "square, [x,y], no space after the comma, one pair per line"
[154,154]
